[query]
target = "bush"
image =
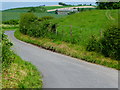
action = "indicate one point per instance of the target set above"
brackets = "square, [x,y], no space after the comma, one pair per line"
[37,9]
[36,27]
[111,42]
[11,22]
[109,45]
[108,5]
[7,55]
[26,21]
[94,44]
[45,18]
[70,13]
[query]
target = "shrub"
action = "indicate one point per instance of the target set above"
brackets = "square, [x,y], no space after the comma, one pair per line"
[7,55]
[11,22]
[45,18]
[108,5]
[25,22]
[111,42]
[32,26]
[109,45]
[70,13]
[94,44]
[37,9]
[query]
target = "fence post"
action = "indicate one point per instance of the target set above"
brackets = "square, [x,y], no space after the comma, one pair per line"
[101,33]
[62,32]
[71,31]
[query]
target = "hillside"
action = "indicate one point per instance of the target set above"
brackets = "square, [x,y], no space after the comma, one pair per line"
[82,26]
[16,12]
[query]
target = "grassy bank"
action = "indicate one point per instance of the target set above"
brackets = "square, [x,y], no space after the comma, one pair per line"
[17,73]
[79,27]
[73,50]
[21,74]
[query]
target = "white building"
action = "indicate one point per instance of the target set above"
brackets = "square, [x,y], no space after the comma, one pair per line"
[66,11]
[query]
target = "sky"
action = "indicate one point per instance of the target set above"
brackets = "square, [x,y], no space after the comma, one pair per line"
[48,0]
[7,4]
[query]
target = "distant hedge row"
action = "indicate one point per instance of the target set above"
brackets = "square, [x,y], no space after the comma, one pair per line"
[34,26]
[108,5]
[11,22]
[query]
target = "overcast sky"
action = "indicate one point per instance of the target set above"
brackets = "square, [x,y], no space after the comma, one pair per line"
[48,0]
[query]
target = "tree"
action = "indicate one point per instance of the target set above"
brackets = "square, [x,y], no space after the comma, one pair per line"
[37,9]
[108,5]
[61,3]
[25,22]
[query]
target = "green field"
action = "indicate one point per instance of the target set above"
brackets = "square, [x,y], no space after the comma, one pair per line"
[15,13]
[86,24]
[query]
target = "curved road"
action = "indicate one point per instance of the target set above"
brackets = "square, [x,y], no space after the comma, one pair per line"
[60,71]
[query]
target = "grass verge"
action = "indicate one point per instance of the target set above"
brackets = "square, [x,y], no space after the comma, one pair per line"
[21,74]
[17,73]
[69,49]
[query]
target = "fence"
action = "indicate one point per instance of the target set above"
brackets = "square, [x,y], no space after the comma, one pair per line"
[74,34]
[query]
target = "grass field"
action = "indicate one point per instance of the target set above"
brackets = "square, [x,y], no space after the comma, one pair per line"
[15,13]
[81,26]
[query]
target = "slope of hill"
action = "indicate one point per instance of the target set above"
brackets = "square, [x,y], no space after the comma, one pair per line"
[82,26]
[16,12]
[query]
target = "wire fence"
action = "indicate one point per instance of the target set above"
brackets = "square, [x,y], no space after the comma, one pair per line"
[74,34]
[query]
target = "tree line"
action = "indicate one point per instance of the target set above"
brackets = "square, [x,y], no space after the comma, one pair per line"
[108,5]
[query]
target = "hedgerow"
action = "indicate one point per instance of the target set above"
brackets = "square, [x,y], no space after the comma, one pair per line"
[36,27]
[109,44]
[11,22]
[7,54]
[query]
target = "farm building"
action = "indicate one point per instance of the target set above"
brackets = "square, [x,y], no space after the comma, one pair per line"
[65,11]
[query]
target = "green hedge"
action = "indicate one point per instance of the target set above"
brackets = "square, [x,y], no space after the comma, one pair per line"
[7,54]
[36,27]
[11,22]
[109,44]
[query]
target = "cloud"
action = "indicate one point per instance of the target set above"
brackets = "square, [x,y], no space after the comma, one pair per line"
[48,0]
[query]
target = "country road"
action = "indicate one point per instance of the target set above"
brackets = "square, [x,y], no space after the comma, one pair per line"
[60,71]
